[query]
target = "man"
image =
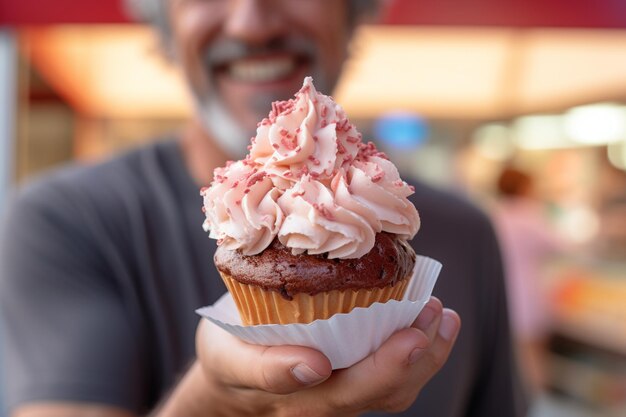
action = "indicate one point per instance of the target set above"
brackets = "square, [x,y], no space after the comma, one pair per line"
[102,267]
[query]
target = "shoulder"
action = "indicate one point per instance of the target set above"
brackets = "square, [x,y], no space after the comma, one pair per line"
[78,207]
[449,212]
[457,233]
[73,188]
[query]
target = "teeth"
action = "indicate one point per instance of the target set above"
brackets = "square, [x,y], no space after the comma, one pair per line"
[261,70]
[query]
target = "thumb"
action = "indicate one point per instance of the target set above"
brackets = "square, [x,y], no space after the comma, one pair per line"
[276,369]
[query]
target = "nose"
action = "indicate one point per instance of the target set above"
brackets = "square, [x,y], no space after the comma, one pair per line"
[254,21]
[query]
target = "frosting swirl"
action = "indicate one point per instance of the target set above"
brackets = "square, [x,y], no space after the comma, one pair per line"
[241,208]
[306,135]
[316,224]
[310,182]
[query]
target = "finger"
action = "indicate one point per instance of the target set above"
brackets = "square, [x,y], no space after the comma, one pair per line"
[378,374]
[393,376]
[448,331]
[430,360]
[276,369]
[429,318]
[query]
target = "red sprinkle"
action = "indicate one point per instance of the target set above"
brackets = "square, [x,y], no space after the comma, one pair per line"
[324,211]
[344,125]
[340,148]
[275,145]
[369,149]
[281,108]
[256,178]
[288,144]
[352,139]
[314,160]
[315,138]
[378,177]
[324,111]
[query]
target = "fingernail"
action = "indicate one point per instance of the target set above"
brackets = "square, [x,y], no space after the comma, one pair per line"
[426,317]
[414,355]
[448,327]
[305,375]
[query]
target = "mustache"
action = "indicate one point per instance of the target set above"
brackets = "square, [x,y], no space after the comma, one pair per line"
[225,50]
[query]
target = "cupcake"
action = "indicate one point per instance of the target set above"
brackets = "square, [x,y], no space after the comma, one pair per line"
[313,222]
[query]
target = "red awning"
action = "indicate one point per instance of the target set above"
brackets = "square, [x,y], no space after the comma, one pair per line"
[45,12]
[513,13]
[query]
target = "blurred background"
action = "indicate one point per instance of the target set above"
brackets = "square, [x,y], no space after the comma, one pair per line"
[518,104]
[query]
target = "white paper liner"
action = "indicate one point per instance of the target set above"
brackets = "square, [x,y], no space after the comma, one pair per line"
[344,338]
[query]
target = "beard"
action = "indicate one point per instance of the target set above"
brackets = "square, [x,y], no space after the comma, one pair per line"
[229,133]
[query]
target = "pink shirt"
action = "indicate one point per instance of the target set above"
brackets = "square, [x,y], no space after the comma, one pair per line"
[527,240]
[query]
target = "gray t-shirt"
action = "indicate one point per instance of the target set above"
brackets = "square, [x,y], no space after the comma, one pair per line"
[102,267]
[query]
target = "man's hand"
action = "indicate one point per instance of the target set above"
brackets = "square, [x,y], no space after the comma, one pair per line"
[232,377]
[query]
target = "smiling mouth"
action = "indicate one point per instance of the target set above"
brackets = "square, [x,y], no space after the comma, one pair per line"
[263,70]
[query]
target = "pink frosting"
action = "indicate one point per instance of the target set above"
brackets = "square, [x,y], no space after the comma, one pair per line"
[310,181]
[241,208]
[309,134]
[316,224]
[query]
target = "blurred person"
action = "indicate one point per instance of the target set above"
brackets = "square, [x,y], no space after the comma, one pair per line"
[102,266]
[610,202]
[528,240]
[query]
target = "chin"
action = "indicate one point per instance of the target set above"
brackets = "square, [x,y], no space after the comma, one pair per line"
[224,129]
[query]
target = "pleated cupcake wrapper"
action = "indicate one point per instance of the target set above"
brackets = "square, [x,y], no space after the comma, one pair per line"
[344,338]
[257,306]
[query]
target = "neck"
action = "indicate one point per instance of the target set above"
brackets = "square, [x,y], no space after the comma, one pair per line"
[200,153]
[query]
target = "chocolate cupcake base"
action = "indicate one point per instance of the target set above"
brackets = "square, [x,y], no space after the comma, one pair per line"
[278,287]
[278,269]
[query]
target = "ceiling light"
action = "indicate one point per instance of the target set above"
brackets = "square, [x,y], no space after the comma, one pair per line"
[493,140]
[596,124]
[617,154]
[540,132]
